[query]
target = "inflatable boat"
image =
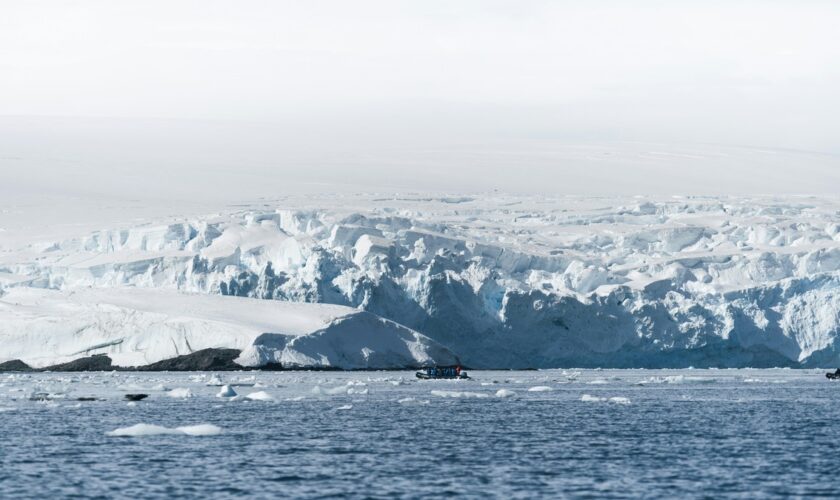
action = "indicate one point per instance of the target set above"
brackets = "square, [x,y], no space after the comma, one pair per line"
[442,372]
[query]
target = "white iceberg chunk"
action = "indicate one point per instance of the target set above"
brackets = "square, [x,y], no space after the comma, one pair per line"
[180,392]
[592,399]
[226,392]
[260,396]
[460,394]
[596,399]
[540,388]
[139,430]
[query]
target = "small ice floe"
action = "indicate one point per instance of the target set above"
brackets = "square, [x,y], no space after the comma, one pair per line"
[353,390]
[46,396]
[595,399]
[540,388]
[215,381]
[244,382]
[413,401]
[139,430]
[7,409]
[330,391]
[598,381]
[260,396]
[296,398]
[226,392]
[180,392]
[697,380]
[677,379]
[345,407]
[460,394]
[592,399]
[134,387]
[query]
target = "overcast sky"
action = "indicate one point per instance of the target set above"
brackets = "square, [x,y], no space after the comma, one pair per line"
[322,90]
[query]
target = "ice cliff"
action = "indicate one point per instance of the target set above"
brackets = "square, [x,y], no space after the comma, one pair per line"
[136,327]
[502,281]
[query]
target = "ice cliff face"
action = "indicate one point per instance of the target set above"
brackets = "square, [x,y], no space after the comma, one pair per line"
[140,326]
[506,281]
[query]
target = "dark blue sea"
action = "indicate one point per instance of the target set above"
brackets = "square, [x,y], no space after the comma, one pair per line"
[553,434]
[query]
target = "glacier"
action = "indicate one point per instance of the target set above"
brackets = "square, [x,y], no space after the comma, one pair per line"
[498,280]
[136,327]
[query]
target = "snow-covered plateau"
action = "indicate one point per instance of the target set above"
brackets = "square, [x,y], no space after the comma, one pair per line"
[501,281]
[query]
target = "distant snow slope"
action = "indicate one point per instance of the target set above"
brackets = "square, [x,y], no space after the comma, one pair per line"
[141,326]
[504,281]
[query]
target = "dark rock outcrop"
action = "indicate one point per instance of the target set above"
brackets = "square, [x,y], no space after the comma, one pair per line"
[15,365]
[203,360]
[97,363]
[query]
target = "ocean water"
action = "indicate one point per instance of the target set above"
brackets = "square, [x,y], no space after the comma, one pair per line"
[555,433]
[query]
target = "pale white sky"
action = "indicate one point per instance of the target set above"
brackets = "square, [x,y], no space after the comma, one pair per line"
[368,91]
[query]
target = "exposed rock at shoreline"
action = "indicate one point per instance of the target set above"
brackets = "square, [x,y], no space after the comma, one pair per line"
[97,363]
[203,360]
[15,365]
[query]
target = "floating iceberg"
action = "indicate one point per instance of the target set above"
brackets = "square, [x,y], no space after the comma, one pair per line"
[460,394]
[181,393]
[226,391]
[139,430]
[260,396]
[505,393]
[588,398]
